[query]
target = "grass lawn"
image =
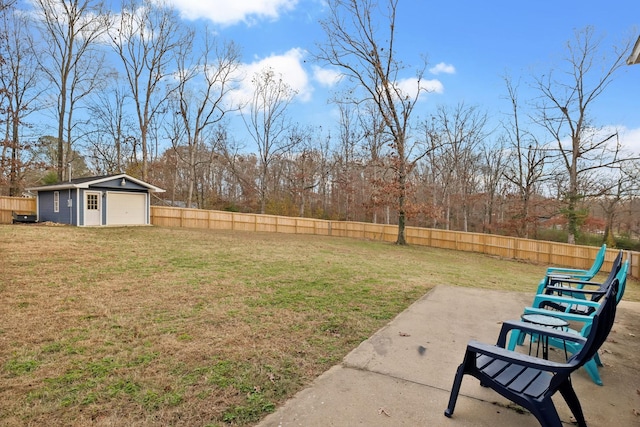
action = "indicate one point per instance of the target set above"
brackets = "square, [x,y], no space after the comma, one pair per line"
[158,326]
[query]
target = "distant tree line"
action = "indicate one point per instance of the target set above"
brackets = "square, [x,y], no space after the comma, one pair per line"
[86,91]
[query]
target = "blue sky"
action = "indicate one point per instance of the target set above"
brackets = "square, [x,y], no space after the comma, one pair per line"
[469,45]
[478,42]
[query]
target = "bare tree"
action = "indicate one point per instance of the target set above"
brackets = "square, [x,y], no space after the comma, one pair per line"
[18,88]
[526,160]
[433,172]
[365,53]
[619,185]
[241,171]
[376,158]
[461,131]
[199,100]
[267,122]
[304,166]
[45,153]
[628,221]
[145,39]
[322,144]
[112,131]
[72,60]
[6,4]
[564,111]
[346,162]
[492,165]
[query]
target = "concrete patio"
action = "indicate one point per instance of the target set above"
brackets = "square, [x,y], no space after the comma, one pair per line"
[402,375]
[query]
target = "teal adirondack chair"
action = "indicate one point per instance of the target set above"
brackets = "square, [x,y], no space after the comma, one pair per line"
[576,310]
[572,273]
[576,289]
[555,274]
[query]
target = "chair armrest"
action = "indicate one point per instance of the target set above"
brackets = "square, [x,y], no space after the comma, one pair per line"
[569,317]
[541,286]
[574,291]
[571,281]
[540,299]
[512,356]
[534,329]
[566,271]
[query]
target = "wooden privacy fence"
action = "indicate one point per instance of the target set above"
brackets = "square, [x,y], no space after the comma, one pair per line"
[502,246]
[15,204]
[541,252]
[537,251]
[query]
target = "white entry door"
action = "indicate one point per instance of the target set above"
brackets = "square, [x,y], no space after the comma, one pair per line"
[92,208]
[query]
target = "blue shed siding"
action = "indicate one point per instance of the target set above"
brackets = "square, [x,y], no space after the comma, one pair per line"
[115,184]
[68,210]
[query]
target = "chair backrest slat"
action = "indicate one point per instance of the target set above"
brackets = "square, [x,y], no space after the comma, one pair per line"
[622,279]
[597,262]
[615,268]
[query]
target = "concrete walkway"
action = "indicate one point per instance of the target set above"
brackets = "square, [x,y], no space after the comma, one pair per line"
[402,375]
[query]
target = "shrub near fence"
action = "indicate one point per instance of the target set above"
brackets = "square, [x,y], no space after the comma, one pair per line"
[541,252]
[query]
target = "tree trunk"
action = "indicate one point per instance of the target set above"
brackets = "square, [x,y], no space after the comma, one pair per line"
[14,188]
[402,186]
[60,147]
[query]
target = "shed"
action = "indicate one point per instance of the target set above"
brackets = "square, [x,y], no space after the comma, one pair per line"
[101,200]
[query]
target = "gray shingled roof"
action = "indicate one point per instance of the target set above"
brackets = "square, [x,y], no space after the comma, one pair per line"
[85,182]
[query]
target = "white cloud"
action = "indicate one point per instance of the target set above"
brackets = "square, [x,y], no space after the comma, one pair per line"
[287,65]
[432,86]
[443,68]
[230,12]
[630,139]
[325,76]
[409,87]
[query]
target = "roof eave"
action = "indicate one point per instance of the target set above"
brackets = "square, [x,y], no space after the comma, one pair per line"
[64,186]
[635,54]
[151,188]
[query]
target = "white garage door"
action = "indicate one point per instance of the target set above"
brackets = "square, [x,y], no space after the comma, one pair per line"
[126,209]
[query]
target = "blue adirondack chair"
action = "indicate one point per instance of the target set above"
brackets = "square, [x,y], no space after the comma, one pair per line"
[571,308]
[531,382]
[573,273]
